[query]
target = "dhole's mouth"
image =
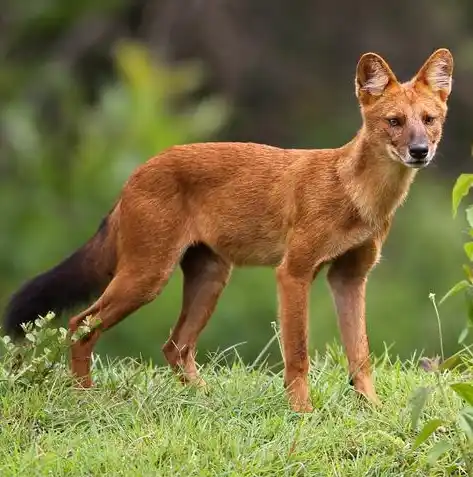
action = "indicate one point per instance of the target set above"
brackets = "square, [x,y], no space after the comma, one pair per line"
[408,160]
[417,163]
[420,162]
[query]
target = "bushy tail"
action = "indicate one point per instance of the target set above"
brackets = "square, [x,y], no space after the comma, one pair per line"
[75,281]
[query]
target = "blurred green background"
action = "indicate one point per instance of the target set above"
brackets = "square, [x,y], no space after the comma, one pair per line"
[91,89]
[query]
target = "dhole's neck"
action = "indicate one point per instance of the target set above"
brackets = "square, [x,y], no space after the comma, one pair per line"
[375,183]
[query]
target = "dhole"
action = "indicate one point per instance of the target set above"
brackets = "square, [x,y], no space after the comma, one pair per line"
[212,206]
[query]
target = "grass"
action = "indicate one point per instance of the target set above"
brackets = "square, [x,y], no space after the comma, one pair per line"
[139,421]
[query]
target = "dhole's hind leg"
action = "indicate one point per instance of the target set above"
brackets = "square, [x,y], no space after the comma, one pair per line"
[129,290]
[152,235]
[205,277]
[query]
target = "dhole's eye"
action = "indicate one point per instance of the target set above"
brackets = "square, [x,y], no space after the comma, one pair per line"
[428,119]
[394,122]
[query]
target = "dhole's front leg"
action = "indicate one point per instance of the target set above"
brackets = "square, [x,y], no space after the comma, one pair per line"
[347,278]
[293,291]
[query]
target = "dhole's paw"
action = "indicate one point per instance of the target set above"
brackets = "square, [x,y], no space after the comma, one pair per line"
[83,382]
[199,383]
[365,389]
[302,407]
[195,382]
[298,395]
[372,399]
[300,402]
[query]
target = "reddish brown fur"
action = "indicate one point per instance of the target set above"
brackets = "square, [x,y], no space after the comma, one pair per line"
[215,205]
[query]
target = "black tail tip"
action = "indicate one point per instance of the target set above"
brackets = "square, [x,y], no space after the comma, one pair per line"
[30,302]
[14,318]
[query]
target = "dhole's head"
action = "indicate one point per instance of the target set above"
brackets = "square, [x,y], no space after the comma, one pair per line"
[404,120]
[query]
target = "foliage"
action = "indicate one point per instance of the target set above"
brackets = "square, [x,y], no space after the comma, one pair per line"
[460,190]
[33,362]
[43,351]
[460,422]
[139,420]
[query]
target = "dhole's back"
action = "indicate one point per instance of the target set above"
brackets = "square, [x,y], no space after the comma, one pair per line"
[219,185]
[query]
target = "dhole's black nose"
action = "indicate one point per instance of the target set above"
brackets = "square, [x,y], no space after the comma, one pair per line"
[418,151]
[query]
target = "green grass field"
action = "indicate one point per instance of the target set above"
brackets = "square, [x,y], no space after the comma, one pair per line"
[139,421]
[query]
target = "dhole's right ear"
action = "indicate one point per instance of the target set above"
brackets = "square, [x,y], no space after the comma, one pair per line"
[373,77]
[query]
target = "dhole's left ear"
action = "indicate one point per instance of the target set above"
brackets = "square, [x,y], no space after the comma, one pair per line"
[436,73]
[373,77]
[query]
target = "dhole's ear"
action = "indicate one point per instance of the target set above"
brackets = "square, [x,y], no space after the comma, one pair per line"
[373,77]
[436,73]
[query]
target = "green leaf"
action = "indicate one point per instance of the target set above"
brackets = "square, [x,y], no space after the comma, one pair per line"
[468,247]
[30,337]
[458,287]
[460,190]
[469,307]
[451,362]
[463,335]
[465,421]
[418,401]
[38,322]
[468,273]
[464,390]
[429,428]
[469,215]
[438,449]
[50,316]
